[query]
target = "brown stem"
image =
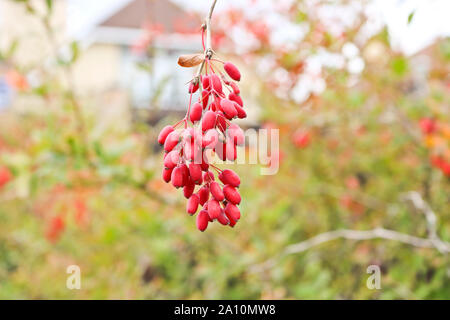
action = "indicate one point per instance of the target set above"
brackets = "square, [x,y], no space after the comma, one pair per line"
[208,50]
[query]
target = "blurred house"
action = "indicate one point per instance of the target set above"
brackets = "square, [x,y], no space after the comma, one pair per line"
[133,47]
[114,36]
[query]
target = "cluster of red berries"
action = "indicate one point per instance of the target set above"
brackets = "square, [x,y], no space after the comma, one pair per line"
[207,131]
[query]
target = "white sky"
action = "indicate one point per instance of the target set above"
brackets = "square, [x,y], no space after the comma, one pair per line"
[431,18]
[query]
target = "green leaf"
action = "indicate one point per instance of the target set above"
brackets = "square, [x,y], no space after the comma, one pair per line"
[49,5]
[411,16]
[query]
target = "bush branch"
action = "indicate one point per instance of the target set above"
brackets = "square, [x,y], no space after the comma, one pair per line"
[432,241]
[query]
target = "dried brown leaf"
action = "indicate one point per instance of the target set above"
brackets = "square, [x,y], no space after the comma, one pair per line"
[190,60]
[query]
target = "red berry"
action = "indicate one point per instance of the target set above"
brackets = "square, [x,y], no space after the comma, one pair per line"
[228,108]
[164,133]
[240,111]
[171,141]
[230,152]
[220,150]
[204,164]
[231,194]
[185,171]
[193,87]
[192,204]
[177,177]
[196,112]
[166,174]
[203,194]
[222,218]
[205,98]
[236,98]
[202,220]
[188,189]
[235,88]
[216,83]
[232,211]
[191,151]
[171,159]
[209,120]
[221,122]
[232,221]
[214,209]
[232,71]
[216,191]
[210,139]
[230,177]
[195,171]
[205,82]
[236,134]
[208,176]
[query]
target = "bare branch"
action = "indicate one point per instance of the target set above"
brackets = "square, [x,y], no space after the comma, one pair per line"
[378,233]
[432,241]
[208,50]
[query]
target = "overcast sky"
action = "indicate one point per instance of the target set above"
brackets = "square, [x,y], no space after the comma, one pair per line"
[431,18]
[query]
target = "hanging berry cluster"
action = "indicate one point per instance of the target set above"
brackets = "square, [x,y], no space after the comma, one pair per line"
[207,130]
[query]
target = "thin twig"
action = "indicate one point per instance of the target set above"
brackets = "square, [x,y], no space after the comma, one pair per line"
[208,50]
[431,241]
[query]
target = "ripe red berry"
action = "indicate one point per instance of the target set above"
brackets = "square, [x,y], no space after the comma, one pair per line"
[231,194]
[214,209]
[171,159]
[185,172]
[188,189]
[209,120]
[208,176]
[203,194]
[166,174]
[221,122]
[232,221]
[193,87]
[236,98]
[232,211]
[191,151]
[195,171]
[205,82]
[216,83]
[232,71]
[223,219]
[202,220]
[220,150]
[192,204]
[240,111]
[216,191]
[230,177]
[210,139]
[205,98]
[164,133]
[235,88]
[171,141]
[228,108]
[230,151]
[196,112]
[236,134]
[177,177]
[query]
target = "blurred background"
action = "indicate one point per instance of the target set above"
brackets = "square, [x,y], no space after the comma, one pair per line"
[360,91]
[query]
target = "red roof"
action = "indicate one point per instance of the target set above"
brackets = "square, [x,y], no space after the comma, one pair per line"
[163,14]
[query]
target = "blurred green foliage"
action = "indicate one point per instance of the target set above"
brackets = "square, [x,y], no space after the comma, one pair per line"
[132,239]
